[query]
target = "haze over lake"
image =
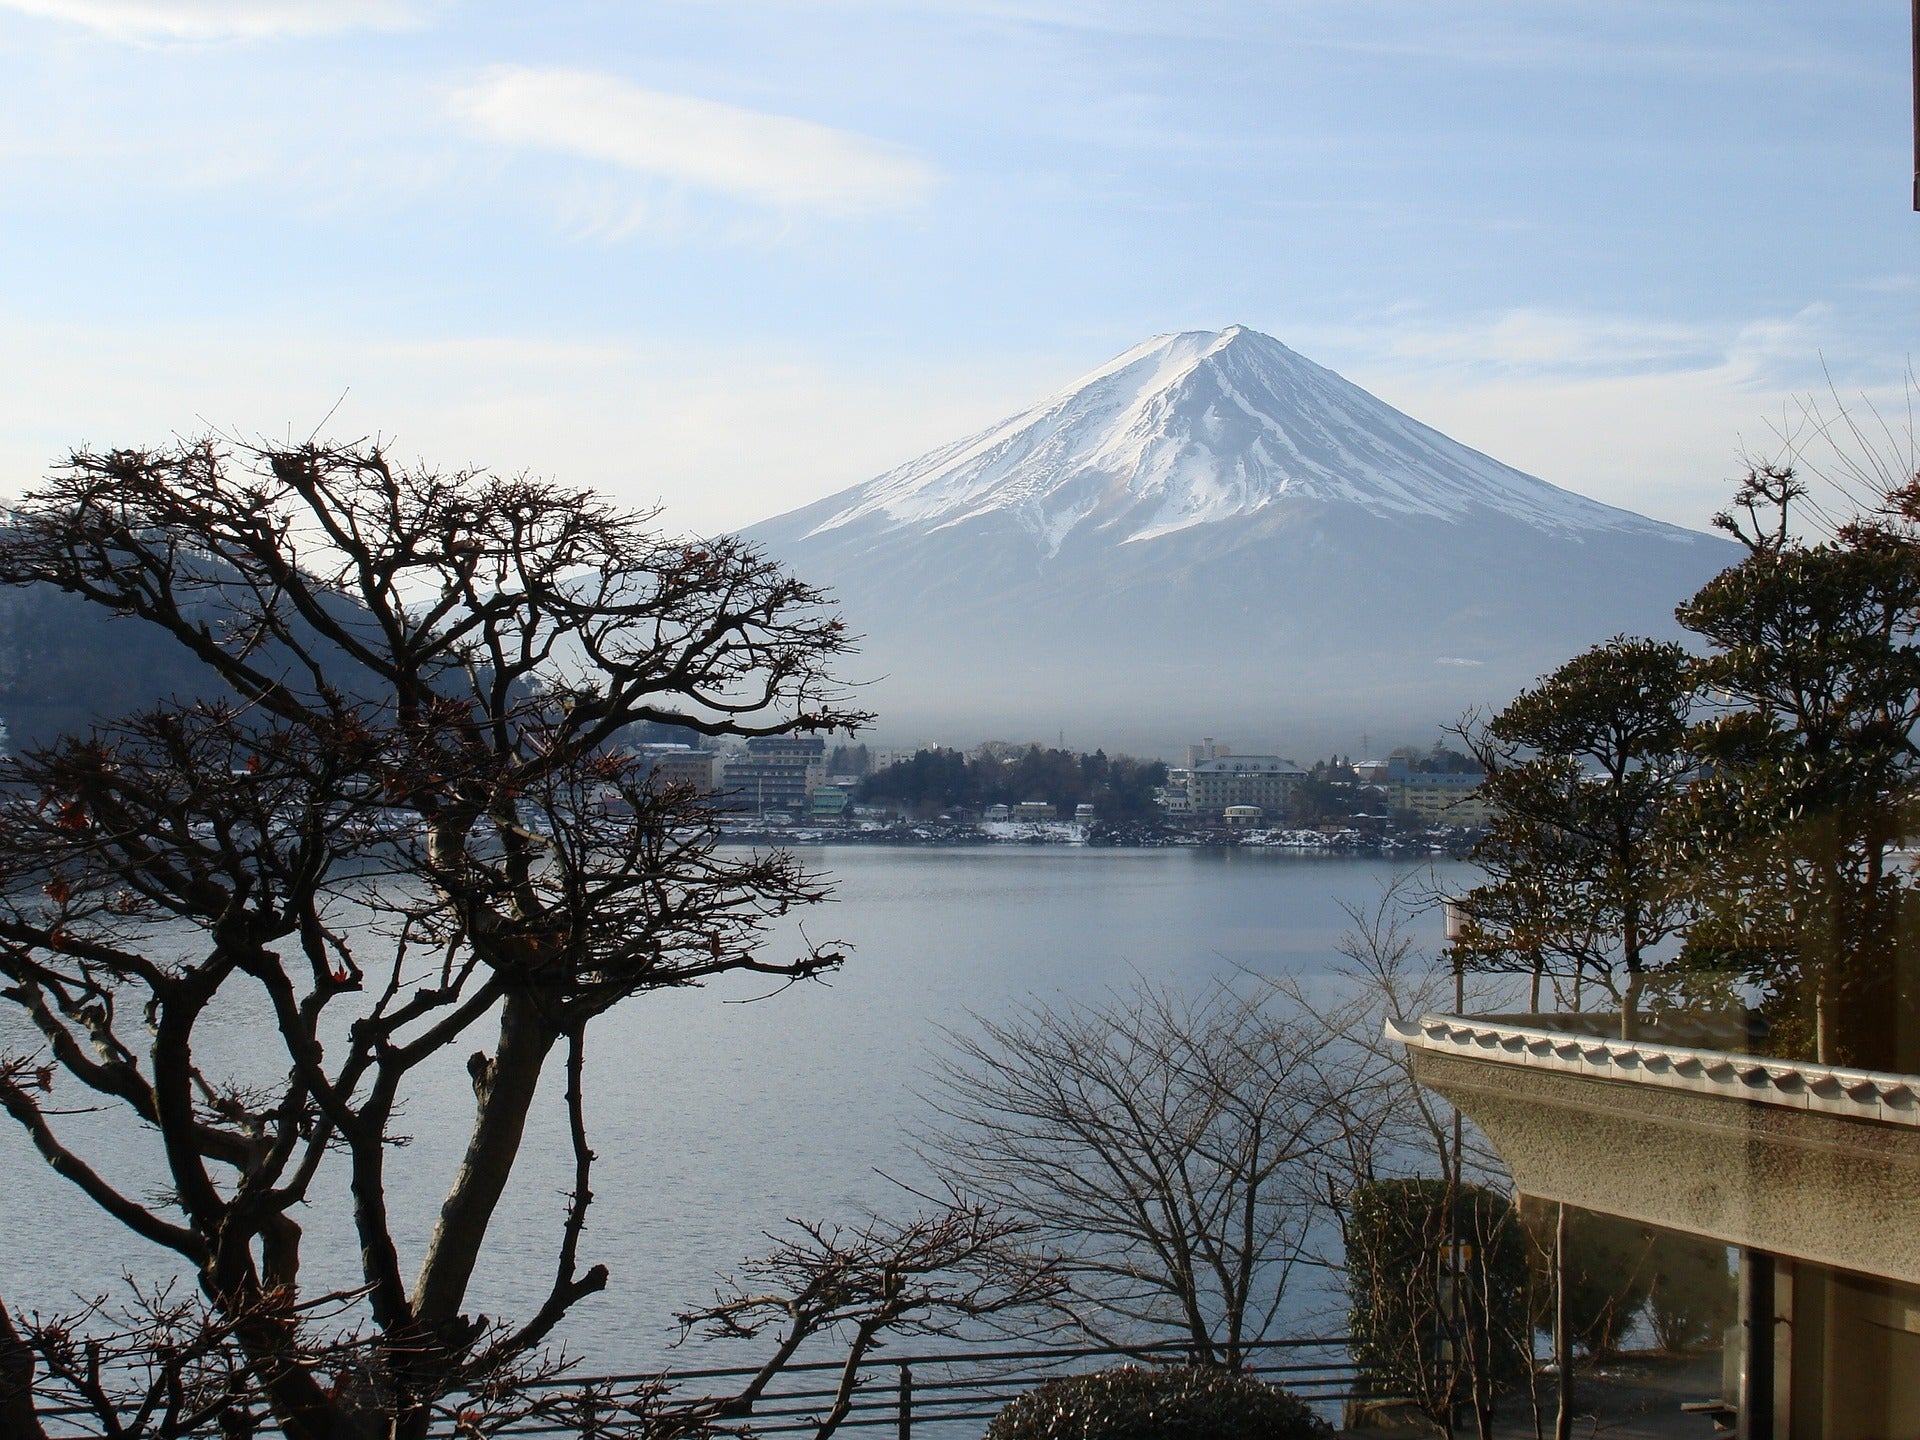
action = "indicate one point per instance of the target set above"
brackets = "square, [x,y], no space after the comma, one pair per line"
[715,1118]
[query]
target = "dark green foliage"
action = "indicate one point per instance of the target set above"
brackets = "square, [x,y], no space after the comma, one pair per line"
[656,732]
[1619,1270]
[1179,1403]
[1331,792]
[1811,779]
[1609,1277]
[849,760]
[1584,771]
[1439,759]
[1120,788]
[1611,1265]
[1742,800]
[1399,1277]
[1692,1303]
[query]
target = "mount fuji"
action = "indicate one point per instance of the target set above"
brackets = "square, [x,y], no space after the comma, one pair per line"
[1211,533]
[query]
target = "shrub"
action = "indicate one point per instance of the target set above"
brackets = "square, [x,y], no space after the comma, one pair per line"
[1176,1403]
[1404,1312]
[1693,1294]
[1610,1272]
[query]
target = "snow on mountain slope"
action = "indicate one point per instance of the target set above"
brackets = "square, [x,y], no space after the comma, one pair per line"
[1211,531]
[1196,428]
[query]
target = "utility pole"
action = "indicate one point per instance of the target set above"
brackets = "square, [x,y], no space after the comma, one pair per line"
[1454,920]
[1757,1319]
[1562,1329]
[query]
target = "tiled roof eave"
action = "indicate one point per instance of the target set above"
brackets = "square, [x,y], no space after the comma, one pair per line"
[1876,1095]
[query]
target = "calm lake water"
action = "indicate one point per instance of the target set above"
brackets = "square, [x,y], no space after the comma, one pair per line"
[716,1114]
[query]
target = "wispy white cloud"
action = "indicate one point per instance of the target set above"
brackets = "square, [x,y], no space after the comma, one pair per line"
[773,160]
[1560,342]
[1537,345]
[1645,413]
[228,19]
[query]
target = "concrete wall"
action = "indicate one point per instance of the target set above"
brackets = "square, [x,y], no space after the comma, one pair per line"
[1817,1187]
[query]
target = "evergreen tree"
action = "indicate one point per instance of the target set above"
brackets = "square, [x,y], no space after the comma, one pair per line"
[1811,773]
[1583,772]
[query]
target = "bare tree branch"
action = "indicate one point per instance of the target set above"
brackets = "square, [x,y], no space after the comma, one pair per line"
[415,686]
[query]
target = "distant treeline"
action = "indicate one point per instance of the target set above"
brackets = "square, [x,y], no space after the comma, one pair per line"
[1120,788]
[1332,793]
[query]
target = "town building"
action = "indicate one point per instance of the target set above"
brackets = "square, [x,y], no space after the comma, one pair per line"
[1263,780]
[775,773]
[682,765]
[1204,751]
[1440,797]
[879,759]
[1033,810]
[1174,797]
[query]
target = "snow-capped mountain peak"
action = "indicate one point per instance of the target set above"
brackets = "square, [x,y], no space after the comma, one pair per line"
[1194,428]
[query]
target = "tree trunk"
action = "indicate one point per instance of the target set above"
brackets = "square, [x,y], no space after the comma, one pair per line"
[1636,976]
[1823,1039]
[301,1408]
[17,1418]
[503,1089]
[1630,1005]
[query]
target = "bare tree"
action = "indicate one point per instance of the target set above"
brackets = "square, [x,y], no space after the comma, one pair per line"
[394,825]
[1161,1148]
[928,1276]
[1393,1126]
[1426,1184]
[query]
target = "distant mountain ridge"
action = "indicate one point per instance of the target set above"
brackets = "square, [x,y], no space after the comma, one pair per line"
[1212,532]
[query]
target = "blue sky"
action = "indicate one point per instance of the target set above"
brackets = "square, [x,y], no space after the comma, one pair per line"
[733,254]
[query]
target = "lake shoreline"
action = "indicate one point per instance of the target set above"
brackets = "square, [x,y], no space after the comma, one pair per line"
[1453,843]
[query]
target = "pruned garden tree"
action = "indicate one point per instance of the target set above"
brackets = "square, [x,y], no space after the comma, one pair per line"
[1162,1148]
[1726,820]
[390,825]
[1813,771]
[1584,774]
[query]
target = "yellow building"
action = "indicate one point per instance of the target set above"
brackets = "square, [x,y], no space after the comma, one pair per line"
[1441,799]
